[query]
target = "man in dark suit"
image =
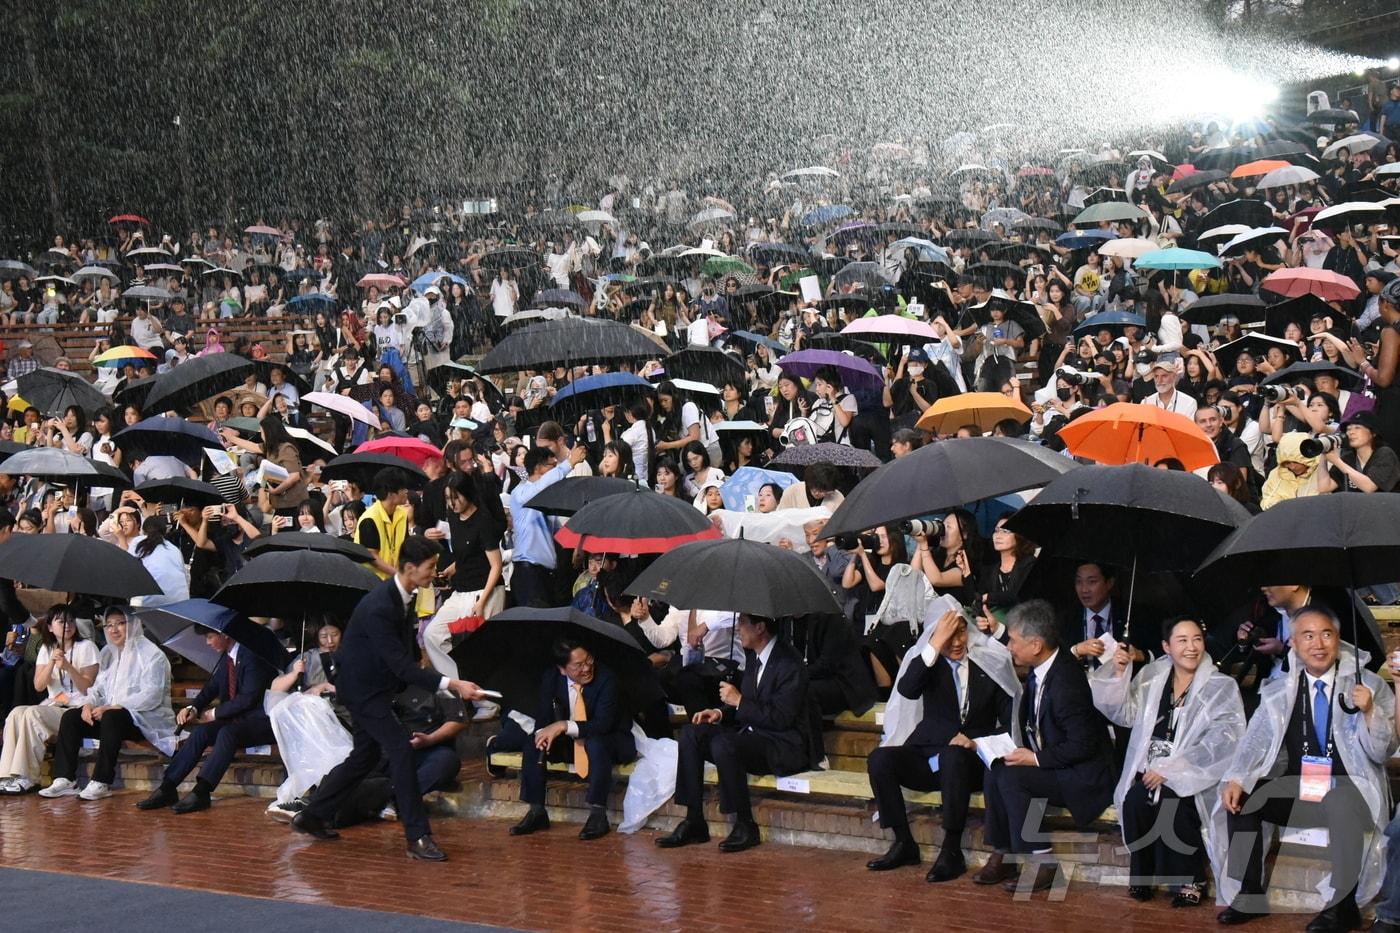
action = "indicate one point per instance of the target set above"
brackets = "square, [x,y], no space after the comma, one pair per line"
[763,729]
[1064,759]
[1096,615]
[376,661]
[239,680]
[961,703]
[580,719]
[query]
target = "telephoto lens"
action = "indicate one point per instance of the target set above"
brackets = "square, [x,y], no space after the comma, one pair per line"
[922,527]
[1318,446]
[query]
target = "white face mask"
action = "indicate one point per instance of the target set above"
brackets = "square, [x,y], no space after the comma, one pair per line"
[916,370]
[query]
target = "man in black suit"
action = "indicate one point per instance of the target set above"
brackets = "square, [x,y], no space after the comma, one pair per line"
[961,703]
[239,680]
[587,725]
[763,729]
[1096,615]
[1064,758]
[376,661]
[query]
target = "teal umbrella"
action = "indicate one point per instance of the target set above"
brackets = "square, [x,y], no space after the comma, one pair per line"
[1176,258]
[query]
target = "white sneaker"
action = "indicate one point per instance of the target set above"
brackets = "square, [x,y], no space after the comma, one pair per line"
[389,813]
[95,790]
[21,785]
[61,787]
[486,710]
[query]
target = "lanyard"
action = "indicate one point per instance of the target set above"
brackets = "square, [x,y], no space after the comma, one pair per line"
[1307,712]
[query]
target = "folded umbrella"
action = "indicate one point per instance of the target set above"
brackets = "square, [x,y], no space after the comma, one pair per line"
[296,584]
[343,405]
[1125,432]
[181,491]
[983,409]
[309,541]
[163,436]
[736,575]
[53,390]
[640,522]
[75,564]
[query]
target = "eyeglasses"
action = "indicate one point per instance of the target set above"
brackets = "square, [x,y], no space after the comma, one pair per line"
[1002,530]
[114,624]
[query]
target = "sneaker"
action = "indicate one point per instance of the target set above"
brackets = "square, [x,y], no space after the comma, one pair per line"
[389,813]
[486,710]
[61,787]
[95,790]
[285,812]
[20,785]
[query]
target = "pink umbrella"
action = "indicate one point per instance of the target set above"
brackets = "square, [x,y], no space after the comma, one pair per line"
[381,280]
[1295,283]
[263,230]
[1182,170]
[891,328]
[409,448]
[344,405]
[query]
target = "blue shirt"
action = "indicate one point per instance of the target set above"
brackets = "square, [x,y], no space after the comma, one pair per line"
[533,542]
[1391,111]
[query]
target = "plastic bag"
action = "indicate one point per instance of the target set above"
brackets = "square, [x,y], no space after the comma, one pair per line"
[310,739]
[653,780]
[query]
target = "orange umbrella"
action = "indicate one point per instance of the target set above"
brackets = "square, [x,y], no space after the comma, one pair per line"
[1128,433]
[983,409]
[1259,167]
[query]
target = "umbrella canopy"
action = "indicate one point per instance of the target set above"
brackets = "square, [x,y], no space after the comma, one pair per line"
[1286,175]
[53,390]
[120,356]
[14,269]
[800,456]
[927,250]
[1125,432]
[571,494]
[749,337]
[1257,238]
[1210,309]
[1325,284]
[1113,321]
[1108,210]
[380,281]
[343,405]
[1159,519]
[1259,167]
[360,468]
[1128,247]
[740,490]
[1349,378]
[295,584]
[983,409]
[600,391]
[309,541]
[869,275]
[855,372]
[734,431]
[147,293]
[1247,211]
[164,436]
[181,491]
[75,564]
[1355,145]
[550,297]
[707,364]
[1197,180]
[890,328]
[312,302]
[640,522]
[408,448]
[180,627]
[736,575]
[570,341]
[1343,215]
[945,475]
[195,380]
[1256,344]
[1176,258]
[55,463]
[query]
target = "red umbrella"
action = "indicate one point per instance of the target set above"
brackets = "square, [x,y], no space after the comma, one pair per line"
[409,448]
[129,219]
[1182,170]
[1294,283]
[381,280]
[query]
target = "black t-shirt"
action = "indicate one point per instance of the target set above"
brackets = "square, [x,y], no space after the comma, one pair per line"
[369,534]
[902,401]
[471,539]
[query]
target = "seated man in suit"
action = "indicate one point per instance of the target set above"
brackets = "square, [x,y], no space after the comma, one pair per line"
[580,718]
[1253,644]
[1064,758]
[239,680]
[1313,754]
[1085,625]
[763,729]
[961,703]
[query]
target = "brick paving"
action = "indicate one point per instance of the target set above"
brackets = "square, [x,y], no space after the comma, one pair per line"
[550,881]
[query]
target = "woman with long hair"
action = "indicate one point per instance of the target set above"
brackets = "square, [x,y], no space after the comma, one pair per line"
[616,461]
[670,481]
[163,561]
[948,566]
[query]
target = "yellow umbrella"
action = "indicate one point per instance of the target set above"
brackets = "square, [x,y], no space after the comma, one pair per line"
[18,404]
[983,409]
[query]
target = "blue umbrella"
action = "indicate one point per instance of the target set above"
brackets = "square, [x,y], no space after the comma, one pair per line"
[988,512]
[1084,239]
[167,436]
[614,385]
[1175,259]
[827,214]
[312,302]
[174,625]
[421,283]
[745,483]
[1113,320]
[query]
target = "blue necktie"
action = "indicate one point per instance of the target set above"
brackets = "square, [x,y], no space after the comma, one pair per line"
[1321,712]
[957,684]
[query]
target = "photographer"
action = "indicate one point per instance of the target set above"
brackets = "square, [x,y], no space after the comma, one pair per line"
[949,566]
[1285,410]
[1364,465]
[864,579]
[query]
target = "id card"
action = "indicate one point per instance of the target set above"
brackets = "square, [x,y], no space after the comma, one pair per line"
[1316,778]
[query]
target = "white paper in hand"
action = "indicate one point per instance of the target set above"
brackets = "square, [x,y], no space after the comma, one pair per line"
[992,747]
[1110,647]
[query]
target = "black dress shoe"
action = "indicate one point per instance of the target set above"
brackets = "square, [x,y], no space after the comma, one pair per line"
[687,832]
[947,866]
[532,822]
[1141,892]
[1339,918]
[1232,916]
[596,828]
[1042,879]
[313,826]
[743,836]
[160,797]
[425,850]
[903,852]
[190,803]
[994,872]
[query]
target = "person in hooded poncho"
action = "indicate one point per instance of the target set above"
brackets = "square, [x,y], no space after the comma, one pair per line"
[1295,476]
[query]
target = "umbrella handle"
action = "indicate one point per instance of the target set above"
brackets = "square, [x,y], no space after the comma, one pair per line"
[1132,587]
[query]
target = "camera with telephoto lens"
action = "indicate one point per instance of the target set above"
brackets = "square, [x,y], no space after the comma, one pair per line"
[1317,446]
[1072,377]
[922,527]
[1144,357]
[852,542]
[1277,394]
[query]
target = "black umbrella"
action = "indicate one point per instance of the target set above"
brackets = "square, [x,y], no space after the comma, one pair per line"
[707,364]
[264,370]
[569,495]
[972,236]
[640,522]
[568,342]
[75,564]
[53,390]
[309,541]
[945,475]
[195,380]
[1210,309]
[1255,344]
[438,376]
[1197,180]
[515,257]
[1298,311]
[800,456]
[133,392]
[55,463]
[1022,312]
[871,275]
[1349,378]
[996,270]
[10,448]
[180,491]
[511,652]
[1245,211]
[297,584]
[733,574]
[164,436]
[361,469]
[180,627]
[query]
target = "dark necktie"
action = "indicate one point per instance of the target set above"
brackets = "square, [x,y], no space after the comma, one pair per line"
[757,670]
[1098,626]
[1028,718]
[232,677]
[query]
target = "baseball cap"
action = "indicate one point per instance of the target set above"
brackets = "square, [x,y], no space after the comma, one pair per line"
[918,355]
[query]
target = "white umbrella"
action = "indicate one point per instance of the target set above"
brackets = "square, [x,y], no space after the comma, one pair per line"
[1128,247]
[690,385]
[1388,170]
[813,171]
[1150,153]
[972,169]
[94,272]
[595,217]
[1361,142]
[1292,175]
[344,405]
[711,215]
[302,434]
[1226,232]
[700,251]
[1258,236]
[1354,212]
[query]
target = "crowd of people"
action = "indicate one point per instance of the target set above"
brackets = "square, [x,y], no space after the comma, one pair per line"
[1011,278]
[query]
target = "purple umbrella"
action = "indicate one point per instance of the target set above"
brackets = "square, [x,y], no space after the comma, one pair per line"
[856,373]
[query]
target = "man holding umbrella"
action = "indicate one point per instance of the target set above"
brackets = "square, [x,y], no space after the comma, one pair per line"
[375,663]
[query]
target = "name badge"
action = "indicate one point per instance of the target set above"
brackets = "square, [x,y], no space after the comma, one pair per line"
[1316,778]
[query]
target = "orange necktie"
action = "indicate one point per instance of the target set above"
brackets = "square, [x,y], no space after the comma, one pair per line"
[580,753]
